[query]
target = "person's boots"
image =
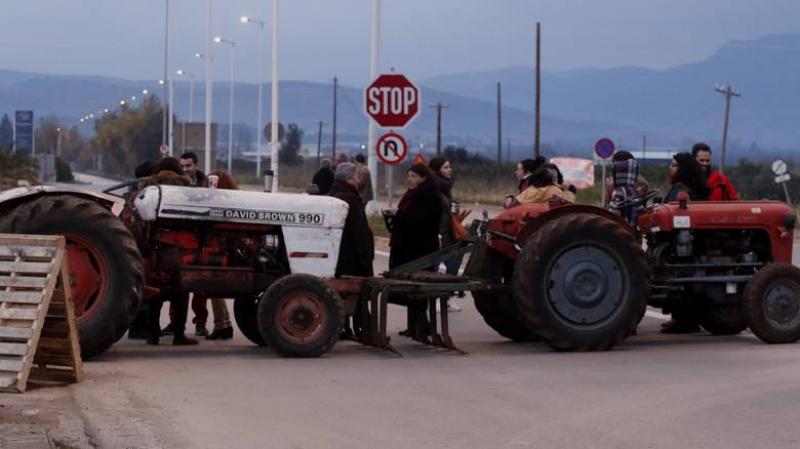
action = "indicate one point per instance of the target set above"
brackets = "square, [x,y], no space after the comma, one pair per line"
[180,339]
[200,330]
[139,329]
[226,333]
[168,330]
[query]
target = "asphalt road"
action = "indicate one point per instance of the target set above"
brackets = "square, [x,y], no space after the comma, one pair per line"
[656,391]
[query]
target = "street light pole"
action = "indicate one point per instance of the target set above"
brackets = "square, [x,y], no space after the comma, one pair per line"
[275,123]
[180,72]
[728,92]
[259,123]
[372,160]
[220,40]
[209,82]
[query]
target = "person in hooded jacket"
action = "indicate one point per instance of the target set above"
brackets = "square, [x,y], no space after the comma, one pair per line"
[625,175]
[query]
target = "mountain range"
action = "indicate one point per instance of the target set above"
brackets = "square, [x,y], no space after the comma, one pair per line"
[672,107]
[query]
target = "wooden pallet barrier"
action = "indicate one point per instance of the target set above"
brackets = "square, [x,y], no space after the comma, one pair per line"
[38,332]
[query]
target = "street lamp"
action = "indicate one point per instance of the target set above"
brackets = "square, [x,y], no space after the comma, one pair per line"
[245,20]
[232,44]
[58,142]
[122,102]
[181,72]
[145,91]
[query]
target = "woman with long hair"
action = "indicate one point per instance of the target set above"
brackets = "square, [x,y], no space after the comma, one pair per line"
[686,175]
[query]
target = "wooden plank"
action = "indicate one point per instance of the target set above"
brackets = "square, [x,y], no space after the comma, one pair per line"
[57,309]
[57,343]
[27,252]
[21,297]
[18,314]
[13,348]
[56,360]
[29,240]
[53,375]
[25,267]
[16,332]
[10,365]
[7,380]
[23,281]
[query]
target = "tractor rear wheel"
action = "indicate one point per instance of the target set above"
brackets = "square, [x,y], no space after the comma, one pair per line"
[245,311]
[301,316]
[581,283]
[497,307]
[105,265]
[772,303]
[723,319]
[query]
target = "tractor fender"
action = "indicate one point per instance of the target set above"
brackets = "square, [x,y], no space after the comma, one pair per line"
[544,218]
[11,198]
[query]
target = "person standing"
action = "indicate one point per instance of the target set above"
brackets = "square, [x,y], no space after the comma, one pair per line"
[415,233]
[357,249]
[323,178]
[190,169]
[365,183]
[721,186]
[445,181]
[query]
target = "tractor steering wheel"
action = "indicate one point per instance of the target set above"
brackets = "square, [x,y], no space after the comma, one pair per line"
[636,201]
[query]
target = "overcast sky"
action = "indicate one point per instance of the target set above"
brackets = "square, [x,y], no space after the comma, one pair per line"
[320,38]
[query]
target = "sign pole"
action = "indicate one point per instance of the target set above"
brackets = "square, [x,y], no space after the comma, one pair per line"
[786,192]
[603,183]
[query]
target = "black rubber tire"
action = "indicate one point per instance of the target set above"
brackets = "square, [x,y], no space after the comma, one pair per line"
[496,307]
[760,310]
[245,311]
[59,214]
[533,282]
[330,319]
[723,320]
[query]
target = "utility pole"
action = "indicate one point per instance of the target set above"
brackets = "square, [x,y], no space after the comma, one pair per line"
[439,106]
[536,148]
[319,143]
[728,91]
[499,128]
[335,95]
[644,146]
[166,67]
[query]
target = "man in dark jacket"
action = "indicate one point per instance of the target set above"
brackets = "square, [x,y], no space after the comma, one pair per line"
[323,178]
[357,248]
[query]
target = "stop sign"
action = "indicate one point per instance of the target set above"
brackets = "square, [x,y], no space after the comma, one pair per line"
[392,100]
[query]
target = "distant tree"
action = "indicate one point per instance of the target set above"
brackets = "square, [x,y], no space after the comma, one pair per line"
[290,148]
[460,155]
[46,135]
[127,137]
[6,133]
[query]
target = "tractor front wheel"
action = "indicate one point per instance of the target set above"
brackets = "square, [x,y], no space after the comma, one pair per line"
[301,316]
[772,303]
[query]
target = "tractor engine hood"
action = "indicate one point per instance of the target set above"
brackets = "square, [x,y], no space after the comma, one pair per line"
[239,206]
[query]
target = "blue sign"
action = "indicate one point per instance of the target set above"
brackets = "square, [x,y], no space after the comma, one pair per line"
[23,131]
[604,148]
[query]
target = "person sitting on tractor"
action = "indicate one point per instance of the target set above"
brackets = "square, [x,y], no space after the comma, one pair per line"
[720,185]
[525,169]
[642,185]
[625,175]
[543,187]
[686,175]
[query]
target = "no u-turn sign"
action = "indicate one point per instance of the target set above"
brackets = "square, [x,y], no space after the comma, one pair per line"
[391,148]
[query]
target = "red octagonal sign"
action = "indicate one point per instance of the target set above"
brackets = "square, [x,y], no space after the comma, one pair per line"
[392,100]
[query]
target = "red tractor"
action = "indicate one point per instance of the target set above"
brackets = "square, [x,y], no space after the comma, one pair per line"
[579,277]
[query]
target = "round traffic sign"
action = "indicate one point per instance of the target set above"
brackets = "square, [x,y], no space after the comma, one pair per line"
[164,149]
[604,148]
[391,100]
[779,167]
[391,148]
